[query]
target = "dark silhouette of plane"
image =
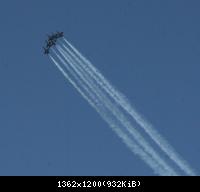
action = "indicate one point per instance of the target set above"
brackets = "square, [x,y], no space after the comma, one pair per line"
[59,34]
[46,50]
[55,36]
[52,41]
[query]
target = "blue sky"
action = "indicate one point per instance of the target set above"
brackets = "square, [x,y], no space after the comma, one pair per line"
[149,50]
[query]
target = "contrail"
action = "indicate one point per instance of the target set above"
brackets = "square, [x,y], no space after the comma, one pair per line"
[114,125]
[118,114]
[121,100]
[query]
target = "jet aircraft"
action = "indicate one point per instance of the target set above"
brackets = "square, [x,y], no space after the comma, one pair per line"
[52,41]
[59,34]
[46,50]
[55,36]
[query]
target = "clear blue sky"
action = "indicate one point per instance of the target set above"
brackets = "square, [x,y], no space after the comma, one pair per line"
[150,50]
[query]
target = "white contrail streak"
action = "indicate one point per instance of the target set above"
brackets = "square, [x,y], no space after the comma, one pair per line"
[115,111]
[103,113]
[125,104]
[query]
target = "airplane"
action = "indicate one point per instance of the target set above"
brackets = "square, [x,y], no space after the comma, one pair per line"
[55,36]
[50,37]
[46,50]
[50,43]
[59,34]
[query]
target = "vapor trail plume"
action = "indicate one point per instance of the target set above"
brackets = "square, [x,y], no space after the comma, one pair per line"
[114,110]
[121,100]
[113,124]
